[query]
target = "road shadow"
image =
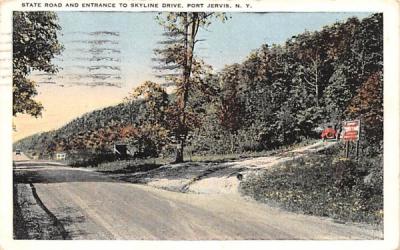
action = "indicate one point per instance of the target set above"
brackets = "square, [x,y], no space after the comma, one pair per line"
[37,164]
[191,171]
[132,169]
[139,174]
[31,225]
[69,217]
[57,175]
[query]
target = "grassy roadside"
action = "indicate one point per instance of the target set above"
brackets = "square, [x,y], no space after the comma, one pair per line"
[110,163]
[19,225]
[140,163]
[323,185]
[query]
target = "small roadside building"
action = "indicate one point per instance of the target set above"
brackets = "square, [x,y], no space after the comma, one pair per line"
[121,150]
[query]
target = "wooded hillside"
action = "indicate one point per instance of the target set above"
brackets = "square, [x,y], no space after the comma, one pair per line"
[278,96]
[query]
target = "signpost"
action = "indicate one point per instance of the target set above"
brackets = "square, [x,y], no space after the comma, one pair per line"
[351,132]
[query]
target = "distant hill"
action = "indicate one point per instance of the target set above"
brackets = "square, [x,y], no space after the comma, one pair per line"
[94,131]
[275,97]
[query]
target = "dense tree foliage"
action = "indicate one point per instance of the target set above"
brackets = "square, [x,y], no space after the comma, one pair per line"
[367,105]
[281,93]
[152,104]
[278,96]
[35,43]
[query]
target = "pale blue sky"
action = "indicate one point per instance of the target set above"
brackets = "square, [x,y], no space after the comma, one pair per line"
[226,43]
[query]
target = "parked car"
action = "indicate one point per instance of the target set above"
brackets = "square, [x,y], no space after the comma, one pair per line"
[328,133]
[18,151]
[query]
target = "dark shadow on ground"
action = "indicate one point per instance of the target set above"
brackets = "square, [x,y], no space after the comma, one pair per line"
[71,216]
[58,175]
[132,169]
[192,171]
[37,164]
[140,174]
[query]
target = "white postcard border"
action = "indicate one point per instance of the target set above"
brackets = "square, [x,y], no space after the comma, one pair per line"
[391,127]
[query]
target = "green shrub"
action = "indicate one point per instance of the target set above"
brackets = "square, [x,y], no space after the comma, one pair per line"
[90,159]
[324,186]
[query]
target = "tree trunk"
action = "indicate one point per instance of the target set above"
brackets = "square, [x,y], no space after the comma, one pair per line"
[179,152]
[189,42]
[232,144]
[316,84]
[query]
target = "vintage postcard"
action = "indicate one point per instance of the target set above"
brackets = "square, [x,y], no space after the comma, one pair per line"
[200,120]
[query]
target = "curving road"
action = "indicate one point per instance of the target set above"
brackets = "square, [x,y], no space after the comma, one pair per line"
[60,202]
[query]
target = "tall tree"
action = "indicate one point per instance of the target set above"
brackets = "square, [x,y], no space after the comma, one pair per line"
[188,71]
[152,104]
[368,106]
[310,51]
[35,43]
[231,107]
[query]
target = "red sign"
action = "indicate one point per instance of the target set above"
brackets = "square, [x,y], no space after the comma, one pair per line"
[351,130]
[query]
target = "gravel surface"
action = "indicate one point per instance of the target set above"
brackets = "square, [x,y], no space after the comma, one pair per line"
[92,205]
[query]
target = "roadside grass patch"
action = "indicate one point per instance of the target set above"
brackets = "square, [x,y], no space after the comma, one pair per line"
[219,158]
[323,185]
[20,230]
[108,161]
[132,165]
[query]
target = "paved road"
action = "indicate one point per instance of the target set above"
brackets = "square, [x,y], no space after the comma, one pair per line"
[59,202]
